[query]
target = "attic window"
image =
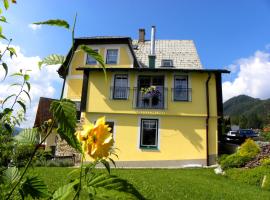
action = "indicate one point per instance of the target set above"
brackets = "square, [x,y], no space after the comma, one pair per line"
[166,63]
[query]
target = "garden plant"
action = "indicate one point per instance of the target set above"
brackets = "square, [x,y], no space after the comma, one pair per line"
[93,140]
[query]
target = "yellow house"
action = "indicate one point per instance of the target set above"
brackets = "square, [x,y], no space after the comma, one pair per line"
[164,109]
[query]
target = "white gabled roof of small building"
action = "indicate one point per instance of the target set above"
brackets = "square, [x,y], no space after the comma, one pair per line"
[183,53]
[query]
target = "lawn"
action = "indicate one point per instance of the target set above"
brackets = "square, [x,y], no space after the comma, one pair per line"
[170,183]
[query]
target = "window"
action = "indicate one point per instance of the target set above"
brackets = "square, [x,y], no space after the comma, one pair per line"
[181,91]
[120,89]
[112,56]
[78,110]
[149,133]
[167,63]
[90,60]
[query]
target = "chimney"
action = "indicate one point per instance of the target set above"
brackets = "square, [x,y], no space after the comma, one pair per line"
[141,35]
[152,56]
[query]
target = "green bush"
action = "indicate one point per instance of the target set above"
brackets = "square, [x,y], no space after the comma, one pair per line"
[234,160]
[249,148]
[247,151]
[265,162]
[60,163]
[22,154]
[266,136]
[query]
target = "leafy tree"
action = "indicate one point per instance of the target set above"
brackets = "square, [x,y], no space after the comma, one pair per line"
[243,122]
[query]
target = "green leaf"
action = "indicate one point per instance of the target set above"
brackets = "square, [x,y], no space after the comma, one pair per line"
[65,191]
[3,37]
[27,137]
[52,59]
[7,98]
[22,105]
[6,4]
[26,77]
[11,175]
[112,187]
[12,51]
[5,68]
[3,19]
[33,186]
[106,165]
[28,86]
[95,55]
[64,111]
[27,95]
[17,74]
[54,22]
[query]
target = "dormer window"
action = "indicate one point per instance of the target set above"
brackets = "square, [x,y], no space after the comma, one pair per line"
[166,63]
[90,60]
[112,56]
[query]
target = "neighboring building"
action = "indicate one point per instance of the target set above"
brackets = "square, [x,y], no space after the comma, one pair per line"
[43,114]
[164,109]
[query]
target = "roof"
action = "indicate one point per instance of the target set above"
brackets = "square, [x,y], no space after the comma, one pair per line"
[43,111]
[183,53]
[62,71]
[160,69]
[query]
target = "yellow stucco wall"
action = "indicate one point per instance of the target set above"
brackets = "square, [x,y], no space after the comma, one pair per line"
[79,58]
[74,88]
[180,138]
[100,92]
[182,124]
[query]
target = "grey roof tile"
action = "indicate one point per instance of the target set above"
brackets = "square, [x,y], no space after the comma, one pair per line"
[182,52]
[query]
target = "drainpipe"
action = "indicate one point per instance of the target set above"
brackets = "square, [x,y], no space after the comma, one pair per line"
[207,117]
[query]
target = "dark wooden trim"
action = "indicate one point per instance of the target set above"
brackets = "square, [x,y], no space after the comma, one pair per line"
[154,69]
[207,118]
[219,102]
[84,91]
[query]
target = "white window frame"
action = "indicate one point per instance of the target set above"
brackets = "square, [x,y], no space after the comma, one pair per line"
[95,49]
[167,60]
[149,147]
[118,55]
[189,88]
[113,86]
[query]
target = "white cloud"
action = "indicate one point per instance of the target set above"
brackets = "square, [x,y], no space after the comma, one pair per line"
[34,26]
[43,82]
[252,78]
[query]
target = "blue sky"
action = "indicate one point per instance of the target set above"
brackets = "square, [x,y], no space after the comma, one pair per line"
[223,31]
[227,33]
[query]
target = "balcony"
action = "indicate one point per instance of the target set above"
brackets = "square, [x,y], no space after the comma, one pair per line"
[150,98]
[181,94]
[119,93]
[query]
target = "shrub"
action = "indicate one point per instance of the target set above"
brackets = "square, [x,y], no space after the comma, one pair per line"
[22,154]
[265,162]
[234,160]
[60,163]
[266,136]
[247,151]
[249,148]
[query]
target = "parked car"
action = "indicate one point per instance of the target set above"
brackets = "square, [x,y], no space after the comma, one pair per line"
[241,135]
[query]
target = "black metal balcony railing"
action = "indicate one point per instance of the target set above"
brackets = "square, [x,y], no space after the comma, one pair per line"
[181,94]
[150,100]
[119,92]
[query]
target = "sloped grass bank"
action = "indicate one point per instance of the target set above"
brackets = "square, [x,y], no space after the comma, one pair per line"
[170,183]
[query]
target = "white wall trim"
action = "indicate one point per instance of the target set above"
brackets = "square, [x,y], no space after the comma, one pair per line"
[139,132]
